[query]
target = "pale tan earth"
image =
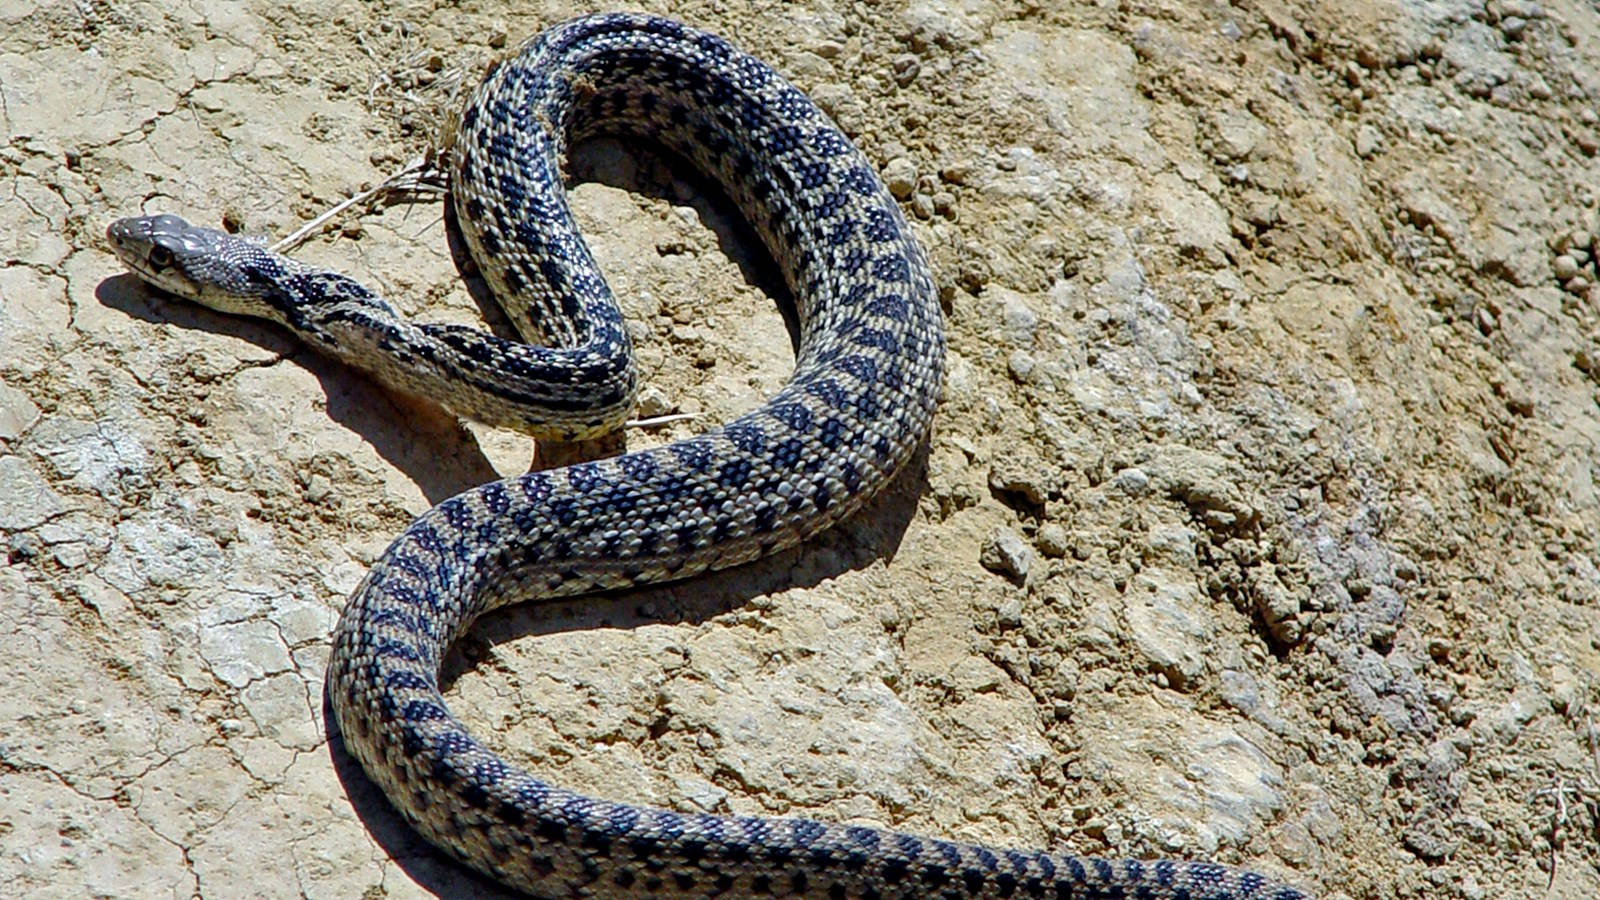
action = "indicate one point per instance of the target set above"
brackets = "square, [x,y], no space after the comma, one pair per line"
[1260,521]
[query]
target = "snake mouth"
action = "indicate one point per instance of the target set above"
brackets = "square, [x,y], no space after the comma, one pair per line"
[154,248]
[129,238]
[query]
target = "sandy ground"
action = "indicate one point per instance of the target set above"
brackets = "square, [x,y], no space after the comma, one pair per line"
[1260,521]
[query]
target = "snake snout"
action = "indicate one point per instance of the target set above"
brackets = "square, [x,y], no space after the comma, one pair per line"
[123,233]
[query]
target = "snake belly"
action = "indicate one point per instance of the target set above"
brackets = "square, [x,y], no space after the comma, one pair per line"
[867,377]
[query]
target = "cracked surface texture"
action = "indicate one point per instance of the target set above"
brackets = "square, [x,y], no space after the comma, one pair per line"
[1260,520]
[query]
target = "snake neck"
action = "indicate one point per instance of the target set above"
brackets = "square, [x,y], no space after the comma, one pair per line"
[568,393]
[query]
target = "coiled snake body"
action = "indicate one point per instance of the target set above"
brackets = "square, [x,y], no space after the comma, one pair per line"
[860,400]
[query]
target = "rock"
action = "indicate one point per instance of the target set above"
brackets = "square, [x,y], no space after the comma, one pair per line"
[1006,553]
[17,413]
[1368,141]
[1017,320]
[1167,624]
[653,401]
[900,174]
[1052,540]
[1024,475]
[1132,480]
[29,501]
[1238,134]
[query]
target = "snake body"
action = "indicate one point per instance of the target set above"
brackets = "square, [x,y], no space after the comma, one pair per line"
[867,376]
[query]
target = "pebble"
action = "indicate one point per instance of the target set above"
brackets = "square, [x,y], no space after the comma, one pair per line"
[1565,267]
[25,546]
[29,501]
[653,402]
[1017,320]
[956,173]
[1577,284]
[1009,615]
[1021,364]
[1368,140]
[1052,540]
[1133,481]
[906,68]
[1487,323]
[318,488]
[1006,553]
[17,413]
[1022,475]
[900,174]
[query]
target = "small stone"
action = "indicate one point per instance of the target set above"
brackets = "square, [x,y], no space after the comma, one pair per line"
[25,546]
[1052,540]
[955,173]
[1009,615]
[906,69]
[497,38]
[900,174]
[1586,361]
[1006,553]
[653,402]
[1018,320]
[318,488]
[17,413]
[1486,321]
[828,49]
[1021,365]
[1565,267]
[1295,845]
[1577,284]
[1133,481]
[704,795]
[1429,840]
[1021,475]
[1368,140]
[1513,27]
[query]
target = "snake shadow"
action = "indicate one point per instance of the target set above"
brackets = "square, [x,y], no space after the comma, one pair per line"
[872,534]
[415,436]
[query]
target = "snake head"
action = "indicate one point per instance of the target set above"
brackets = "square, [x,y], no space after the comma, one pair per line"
[227,273]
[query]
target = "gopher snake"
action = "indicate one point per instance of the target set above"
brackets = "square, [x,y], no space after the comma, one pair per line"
[861,398]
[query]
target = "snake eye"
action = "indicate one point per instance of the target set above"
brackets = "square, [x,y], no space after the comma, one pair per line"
[160,257]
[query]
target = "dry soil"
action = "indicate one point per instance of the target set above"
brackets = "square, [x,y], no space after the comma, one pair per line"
[1260,520]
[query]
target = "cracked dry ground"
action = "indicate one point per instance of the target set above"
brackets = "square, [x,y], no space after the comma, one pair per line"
[1260,520]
